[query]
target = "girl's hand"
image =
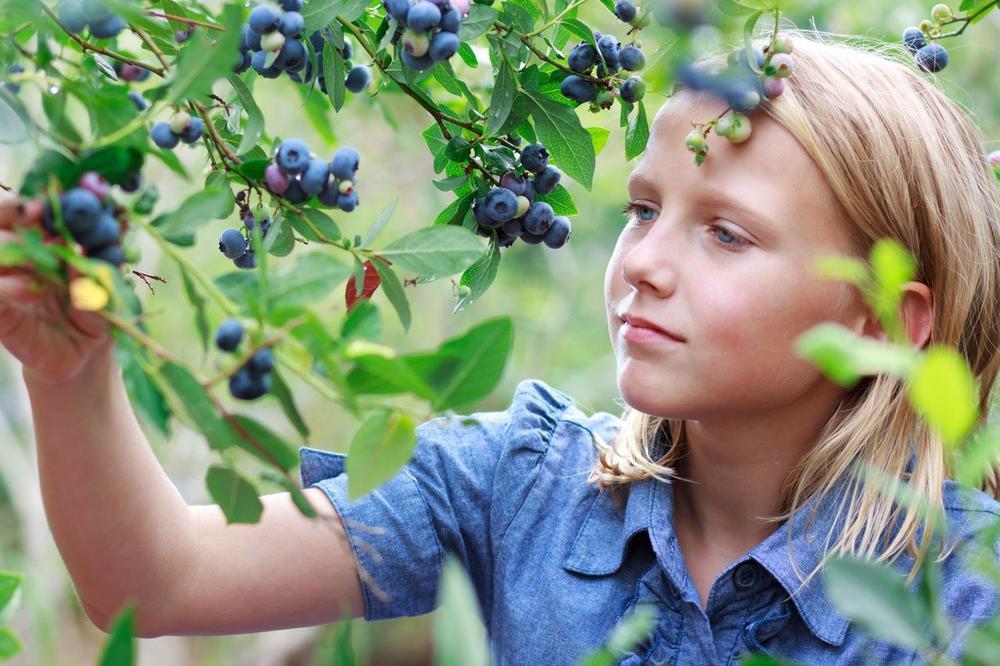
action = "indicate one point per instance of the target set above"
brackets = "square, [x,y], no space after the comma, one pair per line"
[52,339]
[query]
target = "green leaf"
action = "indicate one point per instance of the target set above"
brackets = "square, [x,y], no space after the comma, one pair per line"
[845,357]
[381,446]
[599,137]
[196,211]
[579,29]
[120,647]
[363,322]
[234,494]
[625,636]
[455,212]
[502,99]
[479,20]
[334,74]
[280,390]
[459,636]
[943,391]
[309,280]
[481,354]
[435,252]
[255,119]
[637,133]
[379,224]
[319,13]
[10,593]
[208,56]
[142,391]
[561,201]
[10,644]
[393,290]
[191,397]
[280,240]
[265,444]
[478,277]
[876,598]
[198,303]
[568,143]
[976,459]
[314,225]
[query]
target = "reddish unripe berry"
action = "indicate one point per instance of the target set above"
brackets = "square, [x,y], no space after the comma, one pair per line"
[277,180]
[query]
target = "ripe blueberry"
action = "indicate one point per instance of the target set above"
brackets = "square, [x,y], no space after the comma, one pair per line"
[423,16]
[451,19]
[291,5]
[443,45]
[358,78]
[625,11]
[932,58]
[81,210]
[611,50]
[348,202]
[247,260]
[398,9]
[232,243]
[163,136]
[113,254]
[264,18]
[914,39]
[539,218]
[534,157]
[546,180]
[582,57]
[107,28]
[314,178]
[632,89]
[558,232]
[292,24]
[293,156]
[295,193]
[292,57]
[105,232]
[71,15]
[261,362]
[632,58]
[419,63]
[577,89]
[140,102]
[193,131]
[501,205]
[345,162]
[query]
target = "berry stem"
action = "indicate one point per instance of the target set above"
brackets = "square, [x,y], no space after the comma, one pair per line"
[180,19]
[555,19]
[87,46]
[223,147]
[967,20]
[541,54]
[152,46]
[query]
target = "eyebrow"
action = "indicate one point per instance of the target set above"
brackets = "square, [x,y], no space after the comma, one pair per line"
[637,179]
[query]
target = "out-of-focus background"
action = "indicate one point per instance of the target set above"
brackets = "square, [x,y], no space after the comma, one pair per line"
[554,296]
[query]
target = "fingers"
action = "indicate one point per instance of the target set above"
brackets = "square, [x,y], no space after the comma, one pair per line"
[21,289]
[20,212]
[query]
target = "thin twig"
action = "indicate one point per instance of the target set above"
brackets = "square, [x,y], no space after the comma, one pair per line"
[180,19]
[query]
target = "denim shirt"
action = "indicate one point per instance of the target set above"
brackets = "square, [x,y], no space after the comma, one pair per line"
[555,563]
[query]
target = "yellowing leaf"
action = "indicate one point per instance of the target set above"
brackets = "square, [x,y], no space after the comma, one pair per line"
[943,391]
[87,294]
[358,348]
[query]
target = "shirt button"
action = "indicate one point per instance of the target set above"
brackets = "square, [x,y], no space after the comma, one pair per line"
[745,576]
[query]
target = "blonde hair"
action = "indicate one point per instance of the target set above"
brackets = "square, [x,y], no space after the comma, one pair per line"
[905,162]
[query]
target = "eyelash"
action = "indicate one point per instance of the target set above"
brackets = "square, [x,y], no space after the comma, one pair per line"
[630,208]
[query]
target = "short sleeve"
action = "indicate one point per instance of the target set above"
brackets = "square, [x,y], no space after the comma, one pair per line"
[457,494]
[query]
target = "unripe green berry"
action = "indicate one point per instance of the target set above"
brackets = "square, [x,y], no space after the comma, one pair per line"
[695,141]
[782,43]
[272,41]
[464,290]
[522,206]
[926,26]
[724,126]
[941,13]
[604,99]
[780,66]
[180,121]
[132,253]
[740,130]
[641,20]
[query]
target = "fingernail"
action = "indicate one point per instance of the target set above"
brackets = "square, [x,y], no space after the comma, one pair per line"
[21,210]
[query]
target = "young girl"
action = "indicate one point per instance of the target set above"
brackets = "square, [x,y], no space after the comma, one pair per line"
[715,497]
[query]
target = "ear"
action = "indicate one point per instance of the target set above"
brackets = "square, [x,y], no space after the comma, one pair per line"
[916,310]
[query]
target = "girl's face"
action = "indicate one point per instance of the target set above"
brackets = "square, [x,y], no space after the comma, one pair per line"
[722,255]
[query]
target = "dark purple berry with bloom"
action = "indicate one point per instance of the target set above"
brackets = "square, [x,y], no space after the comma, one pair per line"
[932,58]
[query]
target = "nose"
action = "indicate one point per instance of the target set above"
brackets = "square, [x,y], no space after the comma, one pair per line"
[652,260]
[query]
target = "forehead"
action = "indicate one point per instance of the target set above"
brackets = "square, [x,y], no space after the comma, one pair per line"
[770,172]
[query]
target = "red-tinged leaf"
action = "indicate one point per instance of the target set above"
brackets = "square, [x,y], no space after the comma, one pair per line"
[372,281]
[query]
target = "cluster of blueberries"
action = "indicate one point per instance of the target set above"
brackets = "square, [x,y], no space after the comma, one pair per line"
[512,211]
[273,29]
[608,58]
[90,217]
[236,246]
[76,15]
[296,174]
[930,57]
[182,127]
[428,28]
[253,379]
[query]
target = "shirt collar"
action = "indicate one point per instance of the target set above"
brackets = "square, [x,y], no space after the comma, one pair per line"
[600,545]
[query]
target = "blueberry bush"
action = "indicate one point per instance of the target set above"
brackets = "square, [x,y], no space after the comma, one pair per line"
[510,147]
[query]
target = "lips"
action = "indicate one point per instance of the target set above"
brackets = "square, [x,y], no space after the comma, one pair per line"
[640,322]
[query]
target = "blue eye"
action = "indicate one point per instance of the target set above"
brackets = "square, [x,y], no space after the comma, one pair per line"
[641,212]
[737,240]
